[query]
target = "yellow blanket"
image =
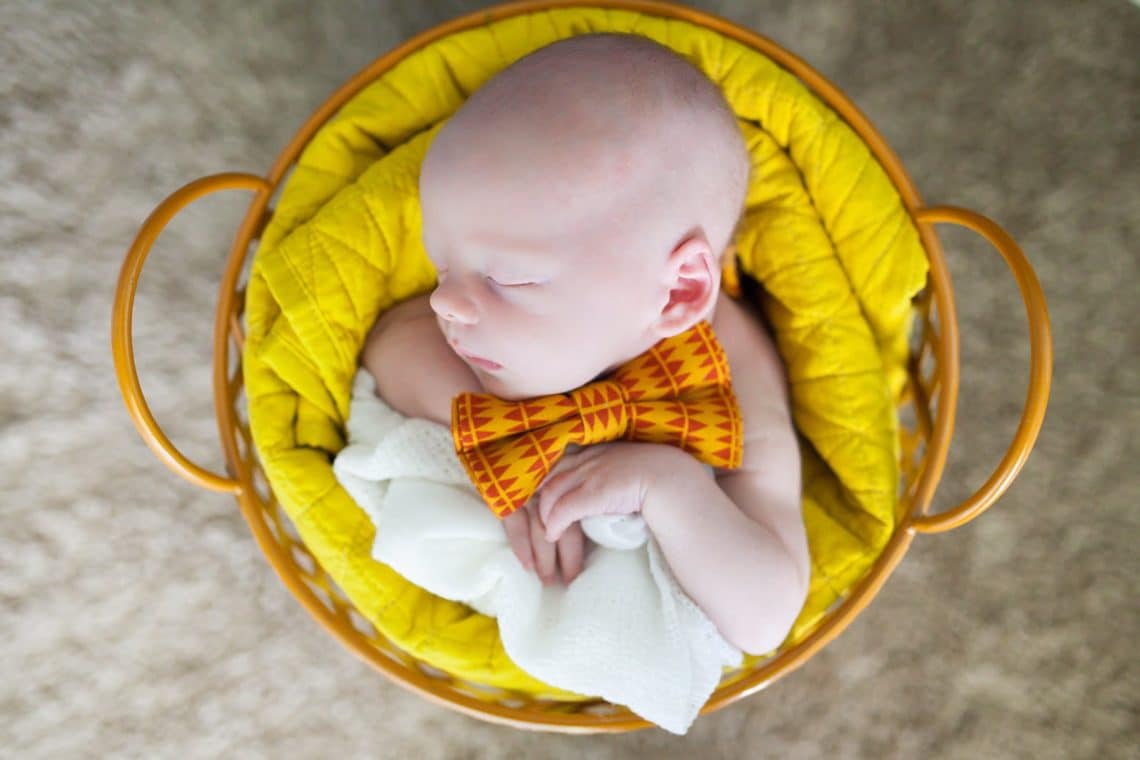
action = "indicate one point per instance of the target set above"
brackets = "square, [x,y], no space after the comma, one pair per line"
[825,232]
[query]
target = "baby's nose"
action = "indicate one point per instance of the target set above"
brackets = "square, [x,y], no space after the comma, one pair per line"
[450,303]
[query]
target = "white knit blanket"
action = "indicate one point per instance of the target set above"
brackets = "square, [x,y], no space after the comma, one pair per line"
[623,630]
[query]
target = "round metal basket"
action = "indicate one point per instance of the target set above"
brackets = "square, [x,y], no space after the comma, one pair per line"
[926,407]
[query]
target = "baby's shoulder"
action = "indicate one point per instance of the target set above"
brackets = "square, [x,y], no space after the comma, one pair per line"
[771,452]
[415,371]
[403,326]
[758,374]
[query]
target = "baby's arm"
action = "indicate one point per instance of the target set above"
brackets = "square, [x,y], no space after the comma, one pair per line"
[742,555]
[749,574]
[736,544]
[416,372]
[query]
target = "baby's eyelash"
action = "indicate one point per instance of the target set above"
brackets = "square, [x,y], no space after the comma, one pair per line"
[510,284]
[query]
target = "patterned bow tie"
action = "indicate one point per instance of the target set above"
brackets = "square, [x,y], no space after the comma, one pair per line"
[678,393]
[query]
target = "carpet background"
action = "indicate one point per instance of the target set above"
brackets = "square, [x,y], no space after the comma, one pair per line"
[138,618]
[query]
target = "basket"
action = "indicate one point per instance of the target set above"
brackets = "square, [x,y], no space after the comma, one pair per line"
[926,406]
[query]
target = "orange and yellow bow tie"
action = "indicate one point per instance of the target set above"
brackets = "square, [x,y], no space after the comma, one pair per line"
[678,392]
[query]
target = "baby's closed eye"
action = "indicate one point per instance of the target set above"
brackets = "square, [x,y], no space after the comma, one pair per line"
[512,282]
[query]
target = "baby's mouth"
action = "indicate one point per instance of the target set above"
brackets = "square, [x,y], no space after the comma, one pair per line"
[482,363]
[477,361]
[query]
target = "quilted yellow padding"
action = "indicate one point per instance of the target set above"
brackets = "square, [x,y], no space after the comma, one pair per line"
[824,231]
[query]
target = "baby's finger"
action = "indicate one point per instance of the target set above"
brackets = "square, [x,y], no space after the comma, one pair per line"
[572,460]
[517,526]
[552,491]
[544,551]
[559,486]
[571,548]
[569,509]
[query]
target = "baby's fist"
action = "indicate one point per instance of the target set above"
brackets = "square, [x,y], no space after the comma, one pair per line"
[604,479]
[526,534]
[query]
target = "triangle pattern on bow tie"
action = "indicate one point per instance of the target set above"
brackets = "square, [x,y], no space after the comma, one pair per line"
[678,393]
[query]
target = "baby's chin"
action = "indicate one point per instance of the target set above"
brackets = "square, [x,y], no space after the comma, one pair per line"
[502,385]
[508,390]
[512,389]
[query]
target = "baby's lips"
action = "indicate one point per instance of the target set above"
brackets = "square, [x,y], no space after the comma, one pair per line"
[478,361]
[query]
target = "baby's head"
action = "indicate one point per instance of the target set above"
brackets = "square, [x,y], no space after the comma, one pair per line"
[577,208]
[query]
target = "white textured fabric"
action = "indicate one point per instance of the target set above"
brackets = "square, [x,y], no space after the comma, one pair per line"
[623,630]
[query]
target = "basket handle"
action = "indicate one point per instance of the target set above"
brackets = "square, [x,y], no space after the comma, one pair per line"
[1040,369]
[122,343]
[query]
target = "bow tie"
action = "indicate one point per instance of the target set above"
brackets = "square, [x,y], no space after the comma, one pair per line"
[678,393]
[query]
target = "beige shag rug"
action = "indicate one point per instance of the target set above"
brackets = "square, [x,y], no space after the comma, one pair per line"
[137,617]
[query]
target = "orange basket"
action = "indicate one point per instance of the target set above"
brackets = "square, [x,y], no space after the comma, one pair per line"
[926,407]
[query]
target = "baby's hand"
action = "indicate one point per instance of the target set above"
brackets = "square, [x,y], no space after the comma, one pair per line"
[603,479]
[527,536]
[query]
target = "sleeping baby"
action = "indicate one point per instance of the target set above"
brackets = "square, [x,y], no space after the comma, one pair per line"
[577,209]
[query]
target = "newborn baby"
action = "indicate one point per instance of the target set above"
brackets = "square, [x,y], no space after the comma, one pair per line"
[577,209]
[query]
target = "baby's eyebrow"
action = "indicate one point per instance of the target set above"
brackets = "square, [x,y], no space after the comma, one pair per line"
[513,248]
[512,252]
[521,258]
[513,257]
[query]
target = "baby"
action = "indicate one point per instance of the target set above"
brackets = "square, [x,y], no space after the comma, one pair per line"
[577,209]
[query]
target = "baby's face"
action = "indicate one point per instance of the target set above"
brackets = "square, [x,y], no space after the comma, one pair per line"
[539,291]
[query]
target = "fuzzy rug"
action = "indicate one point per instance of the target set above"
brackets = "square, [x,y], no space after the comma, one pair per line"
[137,616]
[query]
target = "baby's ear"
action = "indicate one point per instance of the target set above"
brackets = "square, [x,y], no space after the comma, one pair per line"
[693,279]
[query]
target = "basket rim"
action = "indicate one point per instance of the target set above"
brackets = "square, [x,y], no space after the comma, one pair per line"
[834,621]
